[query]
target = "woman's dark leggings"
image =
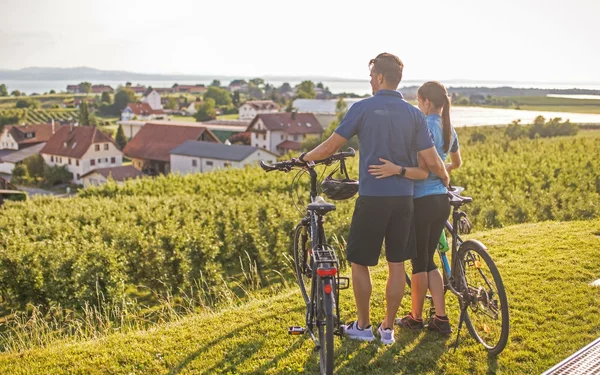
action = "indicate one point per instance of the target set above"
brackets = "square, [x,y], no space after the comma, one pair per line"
[431,213]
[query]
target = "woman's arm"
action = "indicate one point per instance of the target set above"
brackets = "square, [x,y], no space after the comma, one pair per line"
[456,161]
[388,169]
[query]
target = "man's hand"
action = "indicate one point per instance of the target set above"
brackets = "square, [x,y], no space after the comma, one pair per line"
[384,170]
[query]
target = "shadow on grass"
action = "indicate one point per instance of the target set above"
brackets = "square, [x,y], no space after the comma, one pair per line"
[492,364]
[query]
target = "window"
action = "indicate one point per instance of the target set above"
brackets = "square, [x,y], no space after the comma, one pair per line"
[99,161]
[92,162]
[194,164]
[78,176]
[227,164]
[106,160]
[295,138]
[52,158]
[96,147]
[256,145]
[209,163]
[281,136]
[264,137]
[77,163]
[106,146]
[69,161]
[113,160]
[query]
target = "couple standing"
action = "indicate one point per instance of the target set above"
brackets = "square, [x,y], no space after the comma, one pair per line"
[402,195]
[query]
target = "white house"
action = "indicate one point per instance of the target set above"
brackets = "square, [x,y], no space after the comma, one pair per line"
[323,109]
[250,109]
[81,149]
[283,131]
[153,99]
[142,112]
[100,176]
[9,160]
[17,137]
[200,157]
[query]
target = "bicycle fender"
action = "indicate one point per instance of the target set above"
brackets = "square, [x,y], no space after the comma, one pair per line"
[328,298]
[473,244]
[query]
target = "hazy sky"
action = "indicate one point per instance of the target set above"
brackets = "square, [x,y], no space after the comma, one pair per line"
[514,40]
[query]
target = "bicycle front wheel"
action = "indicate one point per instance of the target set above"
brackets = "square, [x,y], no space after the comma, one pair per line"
[325,323]
[302,260]
[488,319]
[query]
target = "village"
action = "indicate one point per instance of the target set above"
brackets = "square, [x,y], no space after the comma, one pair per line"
[161,136]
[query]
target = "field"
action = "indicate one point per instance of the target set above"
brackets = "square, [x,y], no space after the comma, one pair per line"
[41,116]
[546,269]
[550,104]
[130,259]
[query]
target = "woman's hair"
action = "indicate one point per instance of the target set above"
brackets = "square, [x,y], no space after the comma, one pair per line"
[437,94]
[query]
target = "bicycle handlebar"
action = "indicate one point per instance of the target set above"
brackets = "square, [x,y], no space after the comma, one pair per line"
[288,165]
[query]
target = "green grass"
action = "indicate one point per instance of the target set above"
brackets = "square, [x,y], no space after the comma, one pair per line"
[546,269]
[550,104]
[183,118]
[233,116]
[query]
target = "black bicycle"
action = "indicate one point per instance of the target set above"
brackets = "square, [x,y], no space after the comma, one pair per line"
[475,280]
[316,263]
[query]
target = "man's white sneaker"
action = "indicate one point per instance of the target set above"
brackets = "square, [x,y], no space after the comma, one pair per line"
[355,333]
[386,335]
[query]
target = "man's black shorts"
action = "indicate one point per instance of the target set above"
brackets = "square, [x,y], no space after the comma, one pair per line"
[376,218]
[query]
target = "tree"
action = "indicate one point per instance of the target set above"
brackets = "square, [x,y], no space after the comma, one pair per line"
[52,92]
[106,97]
[121,139]
[15,93]
[35,166]
[56,174]
[27,103]
[19,174]
[306,90]
[172,103]
[84,113]
[85,87]
[285,88]
[290,106]
[128,84]
[3,90]
[206,111]
[320,85]
[122,98]
[257,81]
[236,99]
[221,96]
[216,83]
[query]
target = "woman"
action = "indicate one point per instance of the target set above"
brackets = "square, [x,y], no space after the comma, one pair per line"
[431,206]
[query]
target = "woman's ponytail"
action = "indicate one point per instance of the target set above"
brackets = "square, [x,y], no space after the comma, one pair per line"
[446,126]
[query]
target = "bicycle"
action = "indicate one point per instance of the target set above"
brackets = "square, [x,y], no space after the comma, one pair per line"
[316,263]
[485,299]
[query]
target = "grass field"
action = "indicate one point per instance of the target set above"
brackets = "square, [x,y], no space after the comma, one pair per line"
[550,104]
[546,269]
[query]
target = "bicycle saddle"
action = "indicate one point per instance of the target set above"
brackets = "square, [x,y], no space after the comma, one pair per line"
[455,197]
[320,205]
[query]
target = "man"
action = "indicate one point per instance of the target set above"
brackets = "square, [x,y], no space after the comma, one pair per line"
[388,128]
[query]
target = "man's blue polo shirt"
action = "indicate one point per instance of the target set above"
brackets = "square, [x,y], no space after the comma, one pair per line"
[388,127]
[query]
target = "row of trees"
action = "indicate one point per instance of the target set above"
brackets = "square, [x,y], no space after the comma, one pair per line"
[33,171]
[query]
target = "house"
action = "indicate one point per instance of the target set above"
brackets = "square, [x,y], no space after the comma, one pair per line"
[283,131]
[223,129]
[192,89]
[99,89]
[152,97]
[142,112]
[149,149]
[189,109]
[323,109]
[250,109]
[81,149]
[195,156]
[119,174]
[10,159]
[17,137]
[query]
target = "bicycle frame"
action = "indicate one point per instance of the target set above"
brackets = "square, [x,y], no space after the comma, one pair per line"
[452,271]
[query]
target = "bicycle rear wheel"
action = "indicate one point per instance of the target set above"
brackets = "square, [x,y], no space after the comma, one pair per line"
[302,261]
[487,319]
[325,322]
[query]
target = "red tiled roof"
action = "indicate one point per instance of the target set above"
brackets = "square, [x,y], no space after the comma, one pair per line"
[137,89]
[120,173]
[263,104]
[99,89]
[289,145]
[302,123]
[155,141]
[41,132]
[144,109]
[74,142]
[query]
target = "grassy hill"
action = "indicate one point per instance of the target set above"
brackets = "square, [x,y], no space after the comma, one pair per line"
[546,269]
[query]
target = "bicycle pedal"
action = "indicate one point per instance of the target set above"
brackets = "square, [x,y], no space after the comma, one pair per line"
[296,330]
[343,283]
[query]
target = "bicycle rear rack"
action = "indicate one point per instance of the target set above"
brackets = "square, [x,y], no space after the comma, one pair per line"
[324,254]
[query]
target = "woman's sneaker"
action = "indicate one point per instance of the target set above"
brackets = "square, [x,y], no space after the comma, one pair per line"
[386,335]
[410,322]
[440,324]
[355,333]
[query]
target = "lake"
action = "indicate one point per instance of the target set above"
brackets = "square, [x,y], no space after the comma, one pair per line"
[475,116]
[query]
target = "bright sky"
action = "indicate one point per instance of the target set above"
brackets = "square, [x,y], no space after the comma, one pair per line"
[509,40]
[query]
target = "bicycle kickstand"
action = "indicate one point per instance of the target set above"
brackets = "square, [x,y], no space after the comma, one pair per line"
[463,312]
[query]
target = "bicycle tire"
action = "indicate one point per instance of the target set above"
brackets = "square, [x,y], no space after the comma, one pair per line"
[300,254]
[326,332]
[492,347]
